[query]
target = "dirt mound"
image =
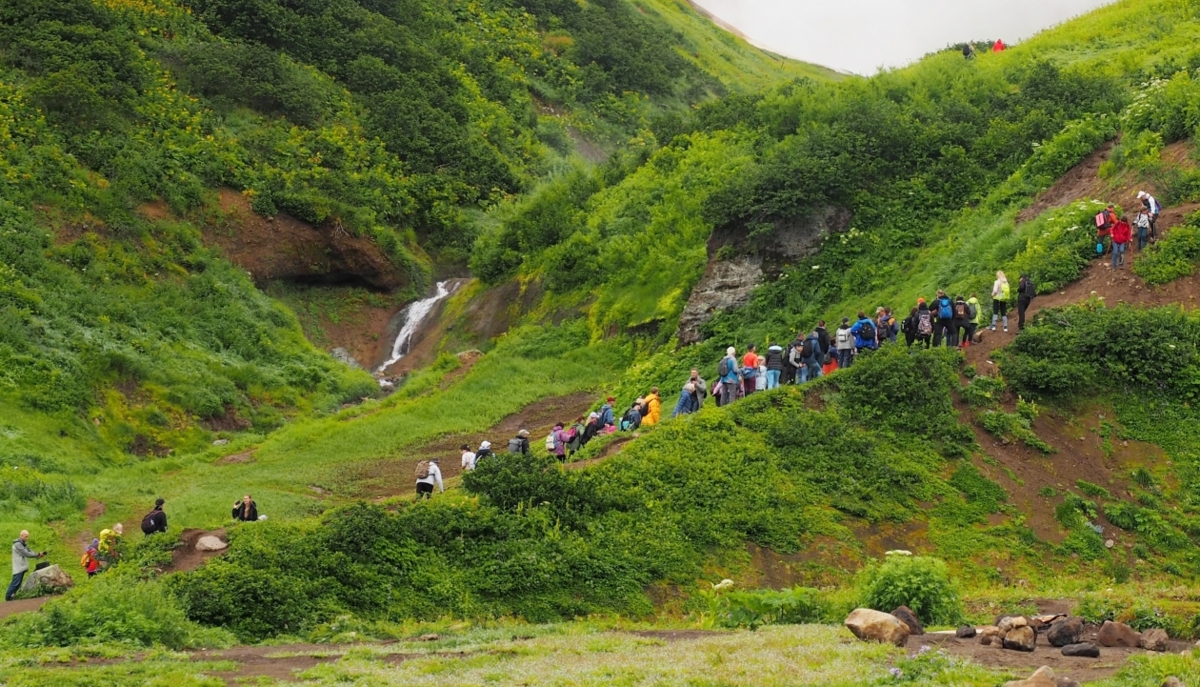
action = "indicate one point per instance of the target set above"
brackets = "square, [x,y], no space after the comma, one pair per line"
[186,558]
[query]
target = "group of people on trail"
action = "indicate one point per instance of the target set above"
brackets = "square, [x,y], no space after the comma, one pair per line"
[968,50]
[1114,233]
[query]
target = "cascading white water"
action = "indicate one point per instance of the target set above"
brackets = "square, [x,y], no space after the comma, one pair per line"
[413,316]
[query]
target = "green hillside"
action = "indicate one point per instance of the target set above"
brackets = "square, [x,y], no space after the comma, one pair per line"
[1058,464]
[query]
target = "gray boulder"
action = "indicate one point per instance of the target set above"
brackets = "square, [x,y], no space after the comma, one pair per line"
[210,543]
[1154,639]
[1082,649]
[965,632]
[1064,632]
[51,578]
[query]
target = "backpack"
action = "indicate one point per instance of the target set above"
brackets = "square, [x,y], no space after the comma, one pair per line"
[423,469]
[551,441]
[514,446]
[1102,219]
[843,336]
[1028,290]
[723,367]
[924,323]
[806,349]
[148,523]
[972,313]
[944,309]
[866,332]
[86,560]
[1006,292]
[960,310]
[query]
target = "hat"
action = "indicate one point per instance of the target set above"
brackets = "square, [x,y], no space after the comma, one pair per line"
[920,301]
[524,433]
[611,399]
[158,502]
[485,444]
[1142,194]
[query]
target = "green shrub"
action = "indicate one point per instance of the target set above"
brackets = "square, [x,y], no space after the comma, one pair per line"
[1171,257]
[1094,490]
[920,582]
[983,391]
[753,609]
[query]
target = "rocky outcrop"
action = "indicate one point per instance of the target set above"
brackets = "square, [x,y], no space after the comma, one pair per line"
[738,263]
[875,626]
[51,578]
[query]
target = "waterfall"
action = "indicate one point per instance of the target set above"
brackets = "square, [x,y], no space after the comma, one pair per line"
[416,313]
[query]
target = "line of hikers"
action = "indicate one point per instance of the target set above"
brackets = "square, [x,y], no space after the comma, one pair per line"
[1114,233]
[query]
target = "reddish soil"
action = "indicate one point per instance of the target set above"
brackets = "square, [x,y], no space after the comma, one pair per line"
[1023,664]
[8,608]
[186,558]
[389,477]
[426,342]
[611,449]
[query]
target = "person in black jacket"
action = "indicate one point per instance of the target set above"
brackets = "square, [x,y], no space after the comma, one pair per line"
[156,520]
[245,510]
[823,339]
[1025,293]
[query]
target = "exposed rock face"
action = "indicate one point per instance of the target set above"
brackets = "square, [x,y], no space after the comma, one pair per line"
[1117,634]
[1082,649]
[343,356]
[1154,639]
[51,577]
[1042,677]
[1064,632]
[728,281]
[1020,639]
[210,543]
[905,615]
[870,625]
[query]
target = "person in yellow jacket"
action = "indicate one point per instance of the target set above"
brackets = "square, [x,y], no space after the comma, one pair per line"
[654,408]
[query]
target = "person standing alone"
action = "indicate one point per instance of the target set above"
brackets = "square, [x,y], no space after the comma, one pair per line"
[1025,293]
[156,520]
[21,553]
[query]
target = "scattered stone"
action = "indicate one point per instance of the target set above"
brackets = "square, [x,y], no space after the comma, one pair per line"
[1172,682]
[210,543]
[51,578]
[990,635]
[1154,639]
[905,615]
[1065,631]
[1066,682]
[1020,639]
[220,442]
[1012,622]
[1082,649]
[965,632]
[429,638]
[876,626]
[343,356]
[1042,677]
[1117,634]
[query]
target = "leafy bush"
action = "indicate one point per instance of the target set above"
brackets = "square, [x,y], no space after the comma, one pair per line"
[983,391]
[753,609]
[1172,256]
[920,582]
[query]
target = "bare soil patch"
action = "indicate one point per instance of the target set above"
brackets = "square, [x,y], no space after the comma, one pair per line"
[8,608]
[186,558]
[235,458]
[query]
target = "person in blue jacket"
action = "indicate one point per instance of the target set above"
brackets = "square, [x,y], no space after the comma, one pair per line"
[606,413]
[865,336]
[688,403]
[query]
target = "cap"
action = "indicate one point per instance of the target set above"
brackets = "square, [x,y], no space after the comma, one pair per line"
[158,502]
[845,320]
[1142,194]
[611,399]
[485,444]
[523,433]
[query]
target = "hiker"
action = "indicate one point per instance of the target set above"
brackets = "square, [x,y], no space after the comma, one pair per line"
[468,458]
[701,386]
[1001,292]
[774,366]
[156,520]
[574,436]
[730,376]
[1153,209]
[791,361]
[962,317]
[1025,294]
[999,46]
[885,326]
[21,553]
[823,338]
[844,340]
[865,335]
[924,330]
[686,405]
[90,561]
[760,377]
[1142,222]
[109,549]
[590,428]
[632,419]
[606,413]
[908,327]
[976,314]
[428,474]
[246,510]
[810,358]
[751,357]
[653,405]
[1106,219]
[519,445]
[968,52]
[1121,234]
[484,452]
[749,377]
[556,442]
[943,325]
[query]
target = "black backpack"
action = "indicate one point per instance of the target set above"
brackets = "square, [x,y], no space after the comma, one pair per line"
[867,331]
[1027,288]
[723,367]
[149,523]
[806,349]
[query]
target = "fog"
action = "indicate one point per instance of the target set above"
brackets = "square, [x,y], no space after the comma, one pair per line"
[861,36]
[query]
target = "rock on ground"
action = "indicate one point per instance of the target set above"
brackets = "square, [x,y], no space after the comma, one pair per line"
[1154,639]
[1172,682]
[1042,677]
[1020,638]
[1117,634]
[51,577]
[990,635]
[210,543]
[1082,649]
[965,632]
[1011,622]
[870,625]
[1064,632]
[905,615]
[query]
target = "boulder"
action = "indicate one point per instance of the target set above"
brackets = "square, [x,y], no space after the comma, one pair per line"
[51,578]
[1117,634]
[1082,650]
[1064,632]
[1042,677]
[876,626]
[1172,682]
[210,543]
[990,635]
[1154,639]
[1011,622]
[1020,638]
[965,632]
[906,616]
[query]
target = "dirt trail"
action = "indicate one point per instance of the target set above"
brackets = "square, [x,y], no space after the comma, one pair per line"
[8,608]
[186,558]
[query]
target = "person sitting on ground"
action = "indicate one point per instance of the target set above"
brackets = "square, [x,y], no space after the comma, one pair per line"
[686,405]
[1001,292]
[864,334]
[607,418]
[632,419]
[468,458]
[701,387]
[245,510]
[653,406]
[844,340]
[729,375]
[90,560]
[156,520]
[109,549]
[484,452]
[774,365]
[428,474]
[519,445]
[21,553]
[1153,209]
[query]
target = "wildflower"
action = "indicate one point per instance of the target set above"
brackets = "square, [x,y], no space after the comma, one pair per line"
[896,672]
[722,585]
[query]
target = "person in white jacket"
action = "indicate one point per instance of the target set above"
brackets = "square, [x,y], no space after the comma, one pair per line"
[433,475]
[468,458]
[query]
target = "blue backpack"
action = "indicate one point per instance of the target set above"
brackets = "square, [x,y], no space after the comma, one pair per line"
[944,312]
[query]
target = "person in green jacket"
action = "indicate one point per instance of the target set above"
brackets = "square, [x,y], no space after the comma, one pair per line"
[975,322]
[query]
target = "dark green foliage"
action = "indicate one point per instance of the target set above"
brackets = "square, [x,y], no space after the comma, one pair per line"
[1171,257]
[978,489]
[904,392]
[983,391]
[755,608]
[920,582]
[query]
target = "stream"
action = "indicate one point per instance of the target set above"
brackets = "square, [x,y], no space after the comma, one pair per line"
[414,315]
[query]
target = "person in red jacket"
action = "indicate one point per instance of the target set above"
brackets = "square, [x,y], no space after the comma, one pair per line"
[998,46]
[1121,233]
